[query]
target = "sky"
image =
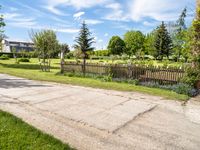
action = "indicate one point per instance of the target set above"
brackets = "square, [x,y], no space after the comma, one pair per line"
[105,18]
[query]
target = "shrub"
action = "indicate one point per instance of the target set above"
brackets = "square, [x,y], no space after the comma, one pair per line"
[192,76]
[23,60]
[107,78]
[180,88]
[4,57]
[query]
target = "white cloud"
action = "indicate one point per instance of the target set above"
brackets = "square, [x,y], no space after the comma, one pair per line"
[100,41]
[160,10]
[117,13]
[54,10]
[77,16]
[93,21]
[52,5]
[115,6]
[10,16]
[106,34]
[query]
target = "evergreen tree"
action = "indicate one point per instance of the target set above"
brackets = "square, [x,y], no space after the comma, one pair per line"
[84,43]
[179,35]
[163,42]
[116,45]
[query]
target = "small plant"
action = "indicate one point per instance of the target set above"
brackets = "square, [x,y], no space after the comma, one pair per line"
[4,57]
[23,60]
[134,82]
[108,78]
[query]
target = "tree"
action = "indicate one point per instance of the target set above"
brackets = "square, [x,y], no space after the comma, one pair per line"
[116,45]
[134,41]
[163,42]
[84,42]
[193,73]
[149,44]
[196,40]
[64,49]
[2,25]
[179,35]
[46,45]
[186,46]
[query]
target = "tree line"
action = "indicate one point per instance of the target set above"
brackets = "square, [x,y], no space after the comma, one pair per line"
[159,43]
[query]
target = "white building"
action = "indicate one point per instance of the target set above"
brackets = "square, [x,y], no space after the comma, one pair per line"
[8,46]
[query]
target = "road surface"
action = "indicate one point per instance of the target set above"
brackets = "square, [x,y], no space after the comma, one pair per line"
[89,119]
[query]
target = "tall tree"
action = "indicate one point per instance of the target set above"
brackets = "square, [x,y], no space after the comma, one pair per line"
[46,45]
[134,41]
[163,42]
[193,73]
[196,39]
[84,42]
[179,35]
[2,25]
[116,45]
[149,44]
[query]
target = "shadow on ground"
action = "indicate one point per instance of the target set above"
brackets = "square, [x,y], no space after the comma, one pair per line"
[18,83]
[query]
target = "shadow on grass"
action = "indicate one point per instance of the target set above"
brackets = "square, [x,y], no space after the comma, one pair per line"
[25,66]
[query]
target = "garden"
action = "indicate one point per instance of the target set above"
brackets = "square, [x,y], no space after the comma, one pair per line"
[158,60]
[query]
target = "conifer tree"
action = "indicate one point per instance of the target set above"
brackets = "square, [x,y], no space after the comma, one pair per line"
[84,42]
[163,42]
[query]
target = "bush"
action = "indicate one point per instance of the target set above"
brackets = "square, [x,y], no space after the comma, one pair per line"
[193,75]
[180,88]
[4,57]
[69,55]
[23,60]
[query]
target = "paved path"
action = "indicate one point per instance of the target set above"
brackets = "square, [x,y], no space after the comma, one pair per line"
[88,118]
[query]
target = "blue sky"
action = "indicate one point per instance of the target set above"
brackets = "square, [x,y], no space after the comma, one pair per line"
[105,18]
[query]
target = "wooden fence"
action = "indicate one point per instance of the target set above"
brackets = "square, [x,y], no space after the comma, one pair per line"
[128,72]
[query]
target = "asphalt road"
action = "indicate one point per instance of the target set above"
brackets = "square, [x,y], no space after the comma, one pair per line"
[88,118]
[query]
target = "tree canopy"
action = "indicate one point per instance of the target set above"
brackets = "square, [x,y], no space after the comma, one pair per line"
[46,44]
[163,42]
[84,41]
[134,41]
[116,45]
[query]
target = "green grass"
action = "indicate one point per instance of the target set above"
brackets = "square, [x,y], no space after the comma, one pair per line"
[31,71]
[18,135]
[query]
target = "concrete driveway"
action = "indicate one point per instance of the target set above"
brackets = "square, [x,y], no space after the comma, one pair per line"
[88,118]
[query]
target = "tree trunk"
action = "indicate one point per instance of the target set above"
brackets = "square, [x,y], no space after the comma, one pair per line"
[84,63]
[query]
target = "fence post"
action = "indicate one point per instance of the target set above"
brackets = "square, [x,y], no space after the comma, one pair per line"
[62,66]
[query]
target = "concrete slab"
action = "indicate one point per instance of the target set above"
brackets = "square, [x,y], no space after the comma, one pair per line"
[89,119]
[97,109]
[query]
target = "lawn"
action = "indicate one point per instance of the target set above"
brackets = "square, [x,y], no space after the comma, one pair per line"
[31,71]
[18,135]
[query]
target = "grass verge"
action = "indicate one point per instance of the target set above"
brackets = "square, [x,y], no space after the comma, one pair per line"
[16,134]
[31,71]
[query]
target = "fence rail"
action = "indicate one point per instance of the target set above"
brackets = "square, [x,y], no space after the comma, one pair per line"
[141,73]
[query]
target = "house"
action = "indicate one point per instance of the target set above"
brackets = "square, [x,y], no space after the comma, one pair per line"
[8,46]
